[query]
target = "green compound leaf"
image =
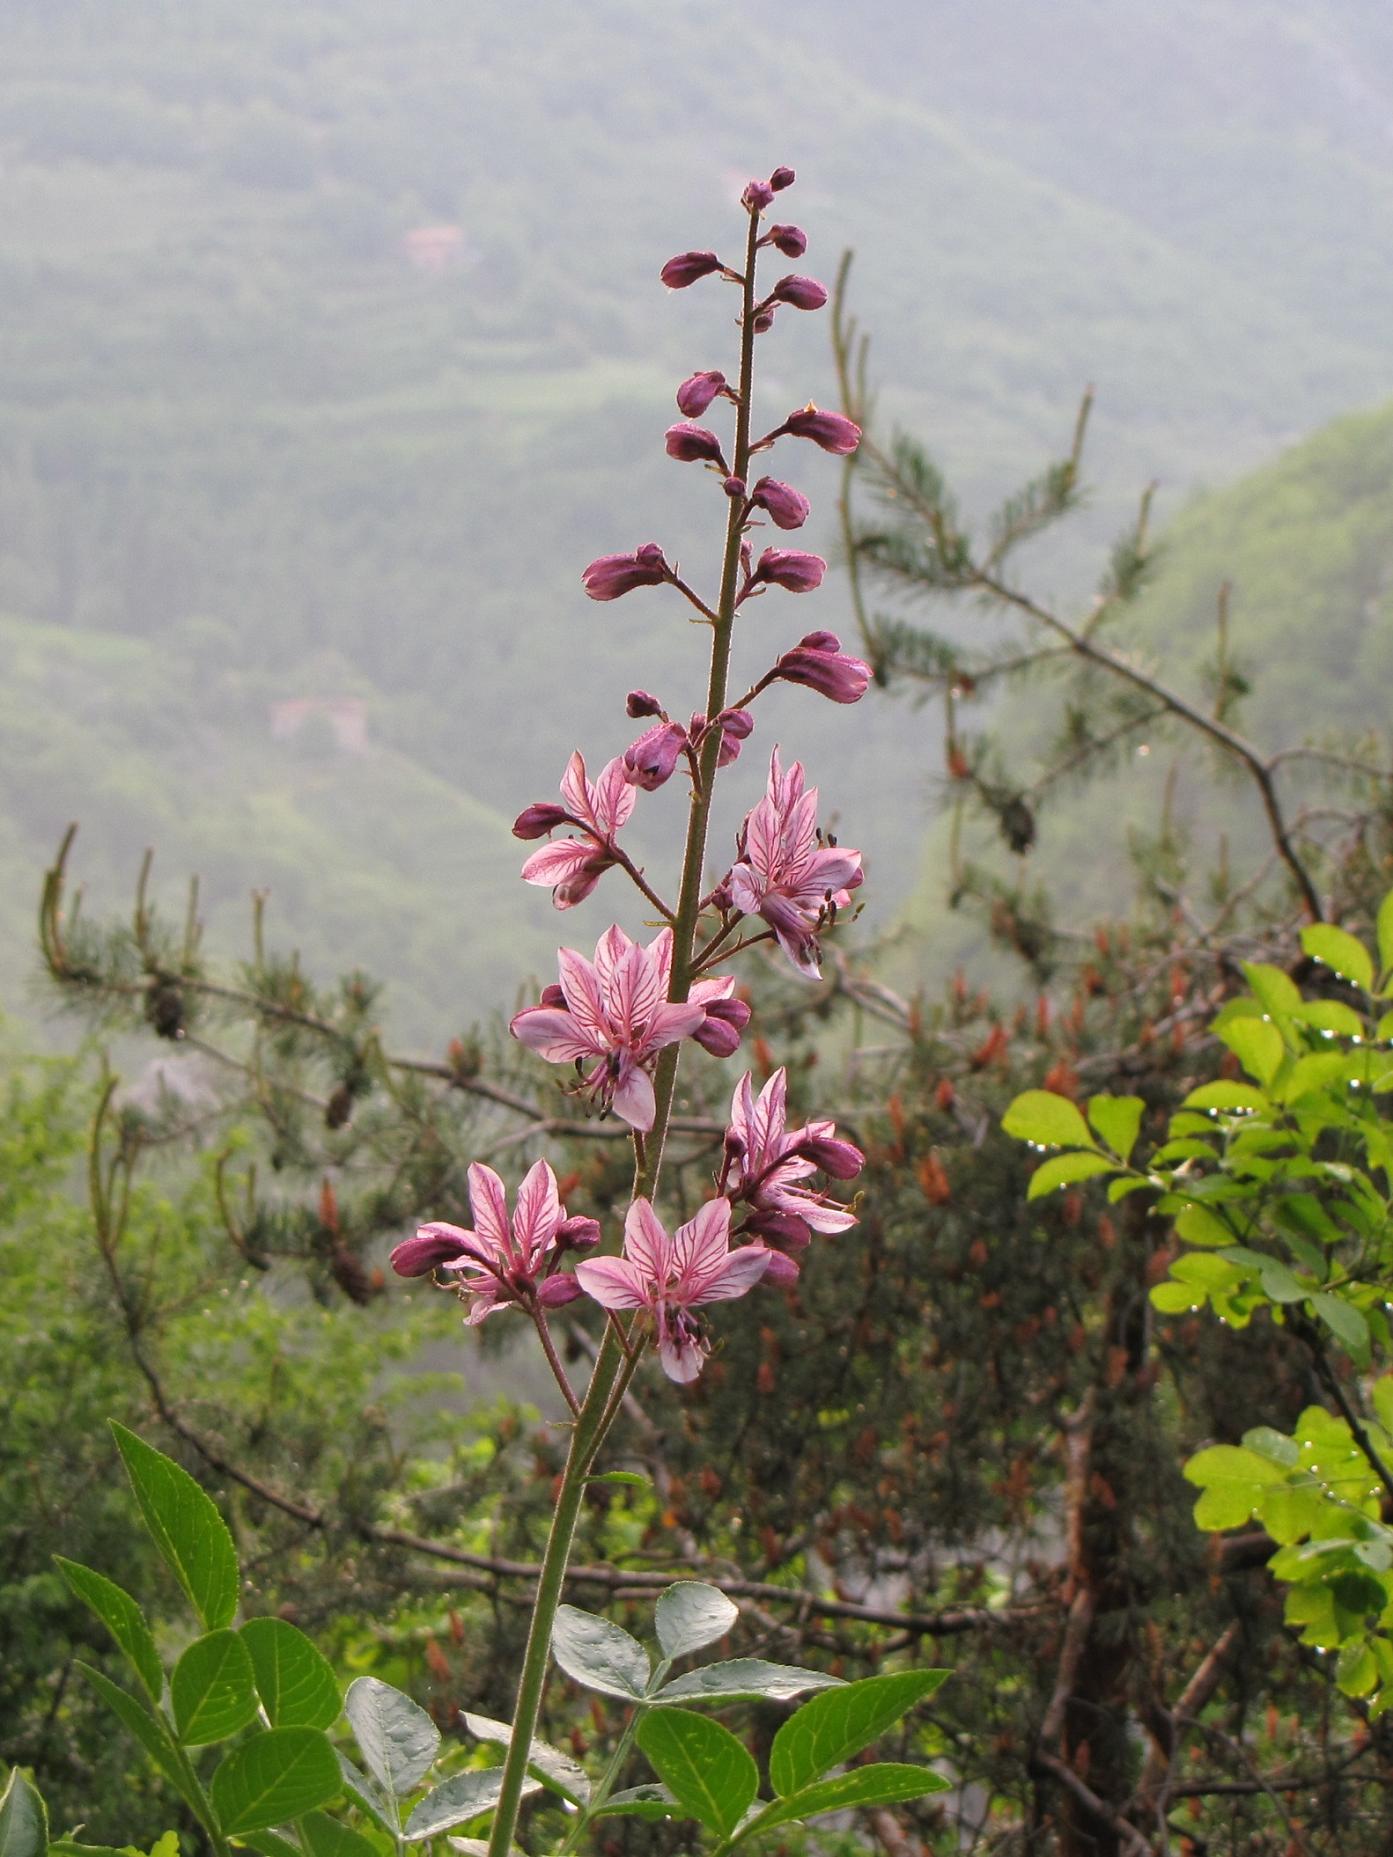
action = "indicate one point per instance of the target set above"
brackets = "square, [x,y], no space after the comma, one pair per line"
[708,1772]
[148,1729]
[297,1687]
[456,1800]
[398,1740]
[836,1725]
[743,1679]
[273,1777]
[1047,1119]
[1117,1121]
[599,1654]
[186,1526]
[1337,949]
[212,1691]
[886,1783]
[690,1615]
[553,1768]
[122,1617]
[23,1820]
[1064,1169]
[323,1836]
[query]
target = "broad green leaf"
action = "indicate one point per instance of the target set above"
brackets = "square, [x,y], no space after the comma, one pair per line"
[1230,1463]
[186,1526]
[707,1771]
[365,1795]
[148,1729]
[599,1654]
[297,1687]
[1175,1298]
[1047,1119]
[1064,1169]
[1336,948]
[1356,1673]
[1117,1120]
[1317,1071]
[271,1843]
[1197,1226]
[1384,932]
[1274,990]
[1278,1281]
[1257,1045]
[553,1768]
[743,1679]
[1121,1188]
[651,1802]
[834,1726]
[1226,1505]
[1330,1015]
[1224,1095]
[1275,1446]
[1344,1321]
[397,1739]
[885,1783]
[122,1617]
[70,1847]
[212,1691]
[273,1777]
[456,1800]
[323,1836]
[23,1819]
[692,1614]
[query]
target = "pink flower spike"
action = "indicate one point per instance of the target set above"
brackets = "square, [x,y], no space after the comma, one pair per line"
[616,1019]
[698,391]
[788,568]
[498,1263]
[769,1161]
[571,867]
[693,444]
[785,874]
[804,293]
[788,508]
[689,267]
[670,1276]
[612,576]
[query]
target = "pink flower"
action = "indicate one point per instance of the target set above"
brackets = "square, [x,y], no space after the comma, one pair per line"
[804,293]
[792,241]
[615,575]
[698,391]
[688,267]
[788,568]
[649,762]
[757,195]
[498,1264]
[819,662]
[671,1276]
[787,507]
[785,874]
[832,431]
[573,866]
[613,1014]
[694,444]
[767,1161]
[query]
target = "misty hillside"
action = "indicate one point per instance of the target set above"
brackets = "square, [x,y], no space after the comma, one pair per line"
[335,330]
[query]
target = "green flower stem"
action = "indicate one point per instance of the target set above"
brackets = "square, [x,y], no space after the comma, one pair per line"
[599,1407]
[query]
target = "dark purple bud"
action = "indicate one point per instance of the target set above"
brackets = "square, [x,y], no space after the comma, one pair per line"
[642,703]
[577,1234]
[782,1229]
[764,322]
[722,897]
[788,508]
[820,641]
[832,431]
[613,575]
[552,996]
[432,1245]
[651,759]
[830,672]
[792,241]
[698,391]
[790,569]
[734,486]
[804,293]
[689,267]
[757,195]
[725,1021]
[536,821]
[781,178]
[691,444]
[554,1292]
[737,722]
[842,1159]
[780,1273]
[734,1145]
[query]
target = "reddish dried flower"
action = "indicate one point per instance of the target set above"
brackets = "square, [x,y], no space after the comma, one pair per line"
[614,575]
[689,267]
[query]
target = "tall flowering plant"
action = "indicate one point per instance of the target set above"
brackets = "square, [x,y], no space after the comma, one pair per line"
[623,1019]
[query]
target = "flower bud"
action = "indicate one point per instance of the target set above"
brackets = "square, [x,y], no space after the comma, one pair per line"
[651,759]
[734,487]
[698,391]
[842,1159]
[432,1245]
[784,1229]
[832,431]
[552,996]
[820,641]
[536,821]
[554,1292]
[737,722]
[804,293]
[689,267]
[788,508]
[726,1020]
[792,241]
[764,322]
[757,195]
[790,569]
[577,1234]
[822,667]
[781,178]
[780,1273]
[692,444]
[642,703]
[614,575]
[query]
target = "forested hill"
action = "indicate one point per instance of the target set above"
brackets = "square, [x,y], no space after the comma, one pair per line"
[334,349]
